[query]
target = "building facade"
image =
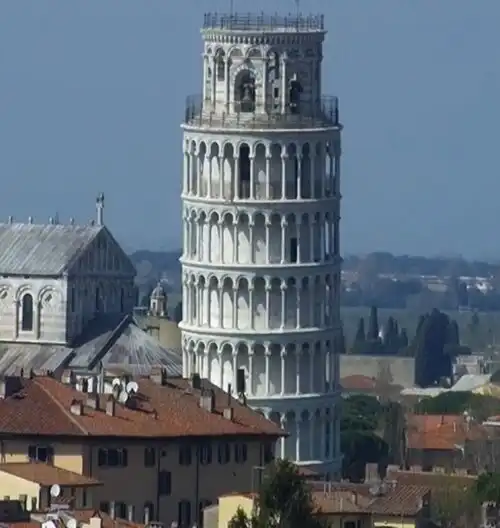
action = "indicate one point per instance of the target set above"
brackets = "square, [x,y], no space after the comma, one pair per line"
[159,449]
[261,209]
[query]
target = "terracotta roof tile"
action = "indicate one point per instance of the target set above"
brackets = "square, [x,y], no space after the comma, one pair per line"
[46,475]
[392,499]
[42,407]
[430,479]
[358,382]
[341,501]
[402,500]
[107,521]
[442,432]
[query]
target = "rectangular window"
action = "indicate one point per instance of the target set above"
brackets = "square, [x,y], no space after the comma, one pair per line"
[185,455]
[121,510]
[38,453]
[205,454]
[112,457]
[268,453]
[224,453]
[240,453]
[149,456]
[165,483]
[184,513]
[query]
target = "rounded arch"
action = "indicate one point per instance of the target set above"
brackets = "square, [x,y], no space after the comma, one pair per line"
[22,290]
[234,52]
[254,53]
[27,312]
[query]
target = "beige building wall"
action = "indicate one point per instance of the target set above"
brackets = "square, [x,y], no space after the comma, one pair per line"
[17,488]
[66,455]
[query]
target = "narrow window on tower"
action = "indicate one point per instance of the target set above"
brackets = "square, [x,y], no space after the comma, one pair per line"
[244,169]
[220,65]
[294,250]
[294,96]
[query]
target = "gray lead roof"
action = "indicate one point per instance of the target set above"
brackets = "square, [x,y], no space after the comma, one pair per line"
[37,249]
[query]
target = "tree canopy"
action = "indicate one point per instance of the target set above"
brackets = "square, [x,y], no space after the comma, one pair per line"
[284,499]
[479,406]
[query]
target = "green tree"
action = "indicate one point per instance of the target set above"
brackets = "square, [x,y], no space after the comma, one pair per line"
[284,500]
[373,331]
[487,488]
[454,506]
[478,406]
[403,338]
[453,334]
[431,361]
[391,337]
[359,343]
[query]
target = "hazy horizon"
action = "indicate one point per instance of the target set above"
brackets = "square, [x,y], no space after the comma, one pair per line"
[93,93]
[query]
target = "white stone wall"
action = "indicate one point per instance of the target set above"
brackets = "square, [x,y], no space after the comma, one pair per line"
[261,212]
[273,62]
[49,309]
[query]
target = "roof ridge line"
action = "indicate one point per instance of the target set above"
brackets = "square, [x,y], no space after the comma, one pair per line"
[63,409]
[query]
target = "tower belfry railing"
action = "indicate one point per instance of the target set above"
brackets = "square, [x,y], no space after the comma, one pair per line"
[319,114]
[263,22]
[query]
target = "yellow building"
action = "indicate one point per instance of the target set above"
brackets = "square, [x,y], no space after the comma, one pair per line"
[346,506]
[162,450]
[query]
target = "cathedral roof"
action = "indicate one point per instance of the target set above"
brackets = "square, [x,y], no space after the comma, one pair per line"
[42,249]
[118,343]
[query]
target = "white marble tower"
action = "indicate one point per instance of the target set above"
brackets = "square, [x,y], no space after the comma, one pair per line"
[261,210]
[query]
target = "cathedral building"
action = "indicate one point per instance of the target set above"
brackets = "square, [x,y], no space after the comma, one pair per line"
[66,297]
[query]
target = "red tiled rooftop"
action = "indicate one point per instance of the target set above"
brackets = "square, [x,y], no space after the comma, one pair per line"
[42,407]
[358,382]
[441,432]
[47,475]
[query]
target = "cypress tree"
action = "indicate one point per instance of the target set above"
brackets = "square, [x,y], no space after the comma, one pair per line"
[359,344]
[453,334]
[403,338]
[373,328]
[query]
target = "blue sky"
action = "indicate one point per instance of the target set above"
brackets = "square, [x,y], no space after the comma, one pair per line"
[92,94]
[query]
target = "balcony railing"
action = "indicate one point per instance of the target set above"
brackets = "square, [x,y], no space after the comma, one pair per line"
[318,114]
[263,22]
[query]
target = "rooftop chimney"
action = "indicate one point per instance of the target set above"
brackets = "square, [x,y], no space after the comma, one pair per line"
[207,400]
[229,413]
[110,406]
[196,381]
[76,407]
[93,401]
[68,377]
[158,375]
[95,522]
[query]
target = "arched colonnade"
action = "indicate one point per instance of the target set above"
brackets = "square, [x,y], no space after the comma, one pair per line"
[261,171]
[225,301]
[262,238]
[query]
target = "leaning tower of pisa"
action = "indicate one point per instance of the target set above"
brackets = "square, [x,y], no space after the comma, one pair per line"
[261,210]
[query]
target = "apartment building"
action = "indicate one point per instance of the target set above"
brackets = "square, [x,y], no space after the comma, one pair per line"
[163,449]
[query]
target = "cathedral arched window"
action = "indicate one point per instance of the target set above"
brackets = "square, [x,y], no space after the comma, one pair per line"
[27,313]
[122,300]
